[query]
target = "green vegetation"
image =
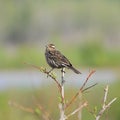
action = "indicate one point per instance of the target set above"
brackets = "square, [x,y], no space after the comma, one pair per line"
[95,54]
[16,58]
[92,54]
[49,100]
[30,22]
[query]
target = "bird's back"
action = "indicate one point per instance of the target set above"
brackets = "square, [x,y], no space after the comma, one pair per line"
[57,60]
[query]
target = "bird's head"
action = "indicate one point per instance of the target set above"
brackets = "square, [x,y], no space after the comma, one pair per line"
[50,47]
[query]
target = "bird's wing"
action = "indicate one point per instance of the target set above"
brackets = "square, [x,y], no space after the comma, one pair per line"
[62,60]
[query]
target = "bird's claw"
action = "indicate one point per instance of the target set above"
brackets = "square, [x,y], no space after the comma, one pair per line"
[48,74]
[63,71]
[63,81]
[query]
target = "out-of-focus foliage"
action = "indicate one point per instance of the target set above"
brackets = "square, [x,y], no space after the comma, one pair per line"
[74,26]
[29,99]
[90,54]
[30,21]
[95,54]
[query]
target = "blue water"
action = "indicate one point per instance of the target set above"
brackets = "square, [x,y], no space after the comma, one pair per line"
[30,78]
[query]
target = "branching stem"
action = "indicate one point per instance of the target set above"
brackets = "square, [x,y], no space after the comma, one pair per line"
[62,104]
[104,106]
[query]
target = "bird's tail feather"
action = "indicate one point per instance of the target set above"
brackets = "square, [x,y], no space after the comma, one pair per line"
[75,70]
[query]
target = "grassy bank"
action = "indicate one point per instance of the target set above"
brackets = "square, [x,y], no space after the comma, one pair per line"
[86,55]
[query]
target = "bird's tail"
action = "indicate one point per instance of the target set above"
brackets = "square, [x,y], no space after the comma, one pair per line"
[75,70]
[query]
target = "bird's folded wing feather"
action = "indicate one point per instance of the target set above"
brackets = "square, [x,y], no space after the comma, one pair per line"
[61,59]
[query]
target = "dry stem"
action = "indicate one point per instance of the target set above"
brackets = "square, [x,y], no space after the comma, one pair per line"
[23,108]
[62,104]
[105,106]
[46,72]
[77,110]
[81,89]
[44,114]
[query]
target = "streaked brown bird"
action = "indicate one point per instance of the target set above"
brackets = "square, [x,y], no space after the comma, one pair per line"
[56,59]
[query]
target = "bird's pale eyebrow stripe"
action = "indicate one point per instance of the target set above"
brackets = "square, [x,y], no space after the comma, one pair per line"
[53,46]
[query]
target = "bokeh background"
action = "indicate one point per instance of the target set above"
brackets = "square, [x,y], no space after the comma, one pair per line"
[87,32]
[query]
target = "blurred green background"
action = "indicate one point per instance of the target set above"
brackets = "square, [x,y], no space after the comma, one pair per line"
[87,32]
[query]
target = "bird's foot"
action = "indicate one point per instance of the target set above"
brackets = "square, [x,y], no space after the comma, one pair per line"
[48,74]
[63,81]
[63,71]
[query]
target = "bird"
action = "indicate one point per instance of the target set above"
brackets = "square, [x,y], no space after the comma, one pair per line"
[56,59]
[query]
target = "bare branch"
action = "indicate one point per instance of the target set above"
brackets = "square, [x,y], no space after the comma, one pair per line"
[105,106]
[81,89]
[46,72]
[62,104]
[23,108]
[89,87]
[45,114]
[90,74]
[105,96]
[77,110]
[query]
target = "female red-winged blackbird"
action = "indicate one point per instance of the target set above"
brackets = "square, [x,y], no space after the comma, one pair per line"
[56,60]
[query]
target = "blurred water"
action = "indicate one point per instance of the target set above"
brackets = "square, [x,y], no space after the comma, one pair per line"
[30,79]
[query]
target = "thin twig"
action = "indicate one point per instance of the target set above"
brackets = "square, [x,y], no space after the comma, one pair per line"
[90,74]
[89,87]
[105,106]
[46,72]
[80,103]
[77,110]
[105,96]
[62,84]
[23,108]
[81,89]
[62,104]
[45,114]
